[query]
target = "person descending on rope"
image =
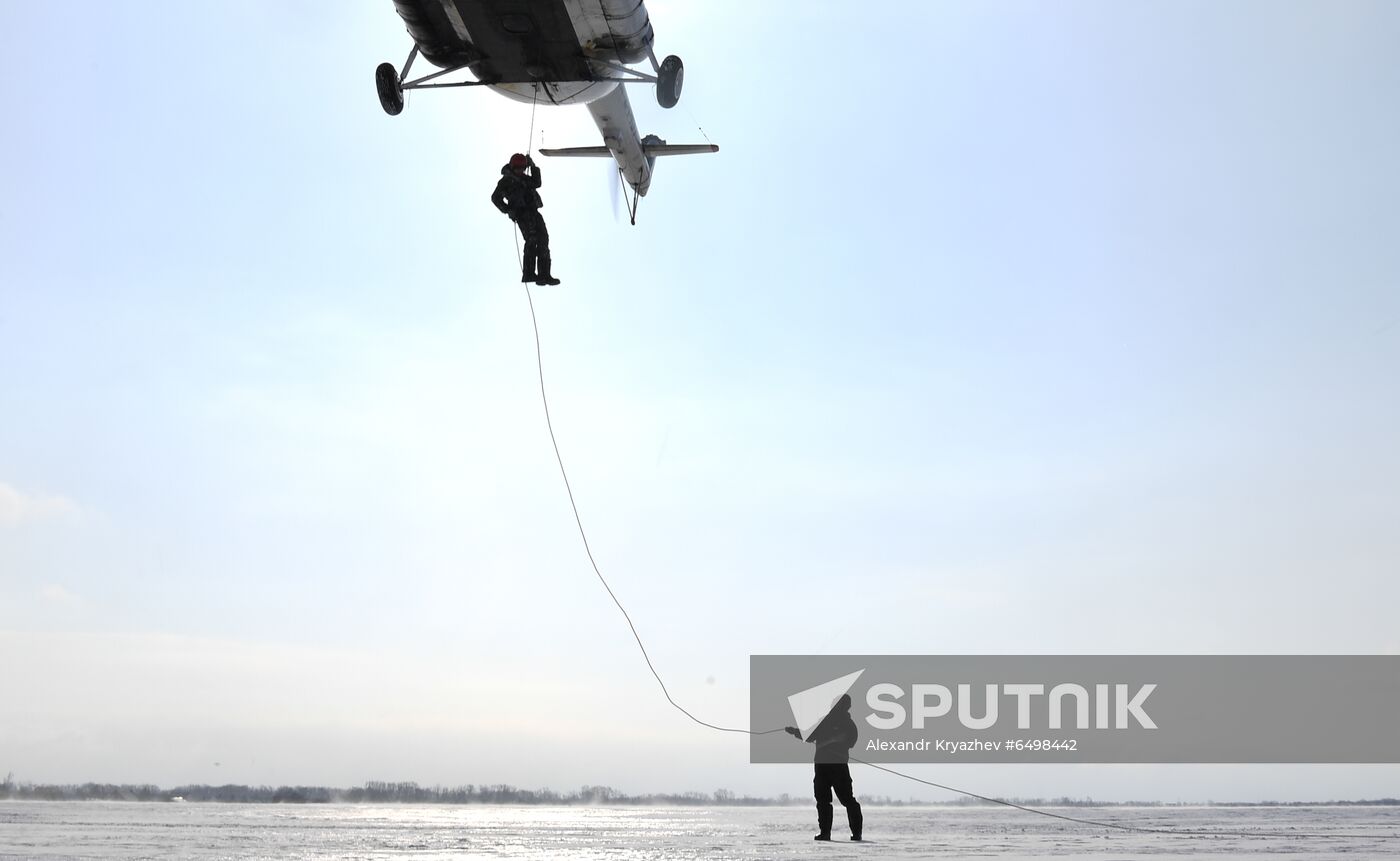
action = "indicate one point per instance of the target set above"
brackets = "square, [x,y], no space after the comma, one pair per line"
[834,738]
[517,195]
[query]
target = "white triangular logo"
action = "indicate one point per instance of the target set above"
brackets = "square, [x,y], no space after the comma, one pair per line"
[810,706]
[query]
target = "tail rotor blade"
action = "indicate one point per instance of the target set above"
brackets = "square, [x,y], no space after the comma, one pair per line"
[615,188]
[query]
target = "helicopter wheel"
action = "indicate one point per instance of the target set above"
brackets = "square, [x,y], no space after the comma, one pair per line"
[386,81]
[669,80]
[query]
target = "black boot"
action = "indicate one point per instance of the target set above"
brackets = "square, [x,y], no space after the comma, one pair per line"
[824,817]
[857,820]
[544,278]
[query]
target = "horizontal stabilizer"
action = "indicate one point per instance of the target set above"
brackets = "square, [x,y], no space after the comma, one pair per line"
[648,149]
[580,151]
[678,149]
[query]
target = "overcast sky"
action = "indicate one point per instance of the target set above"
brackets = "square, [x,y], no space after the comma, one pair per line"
[994,327]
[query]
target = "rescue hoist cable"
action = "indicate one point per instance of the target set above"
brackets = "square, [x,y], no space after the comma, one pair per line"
[588,550]
[515,228]
[534,104]
[583,534]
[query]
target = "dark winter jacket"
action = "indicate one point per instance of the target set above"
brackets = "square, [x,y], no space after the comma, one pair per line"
[836,734]
[516,192]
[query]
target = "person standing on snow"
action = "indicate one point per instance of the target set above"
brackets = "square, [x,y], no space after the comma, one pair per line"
[834,738]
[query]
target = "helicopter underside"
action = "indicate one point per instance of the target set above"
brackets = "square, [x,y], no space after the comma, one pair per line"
[512,45]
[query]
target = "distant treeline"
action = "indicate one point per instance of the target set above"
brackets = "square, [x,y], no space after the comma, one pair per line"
[380,792]
[374,792]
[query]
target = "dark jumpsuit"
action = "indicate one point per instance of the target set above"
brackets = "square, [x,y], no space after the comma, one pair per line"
[516,195]
[834,738]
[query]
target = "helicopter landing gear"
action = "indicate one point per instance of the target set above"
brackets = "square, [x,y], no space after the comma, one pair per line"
[669,79]
[386,81]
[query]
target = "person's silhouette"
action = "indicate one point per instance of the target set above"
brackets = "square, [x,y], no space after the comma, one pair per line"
[517,195]
[834,738]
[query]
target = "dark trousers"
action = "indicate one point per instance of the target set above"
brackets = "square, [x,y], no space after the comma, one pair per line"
[536,237]
[837,776]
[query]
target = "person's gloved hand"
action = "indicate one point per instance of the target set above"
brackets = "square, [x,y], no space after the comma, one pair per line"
[792,731]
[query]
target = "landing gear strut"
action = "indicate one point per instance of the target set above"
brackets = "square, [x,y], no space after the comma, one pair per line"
[392,84]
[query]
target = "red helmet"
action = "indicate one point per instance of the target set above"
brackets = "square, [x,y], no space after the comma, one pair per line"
[518,161]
